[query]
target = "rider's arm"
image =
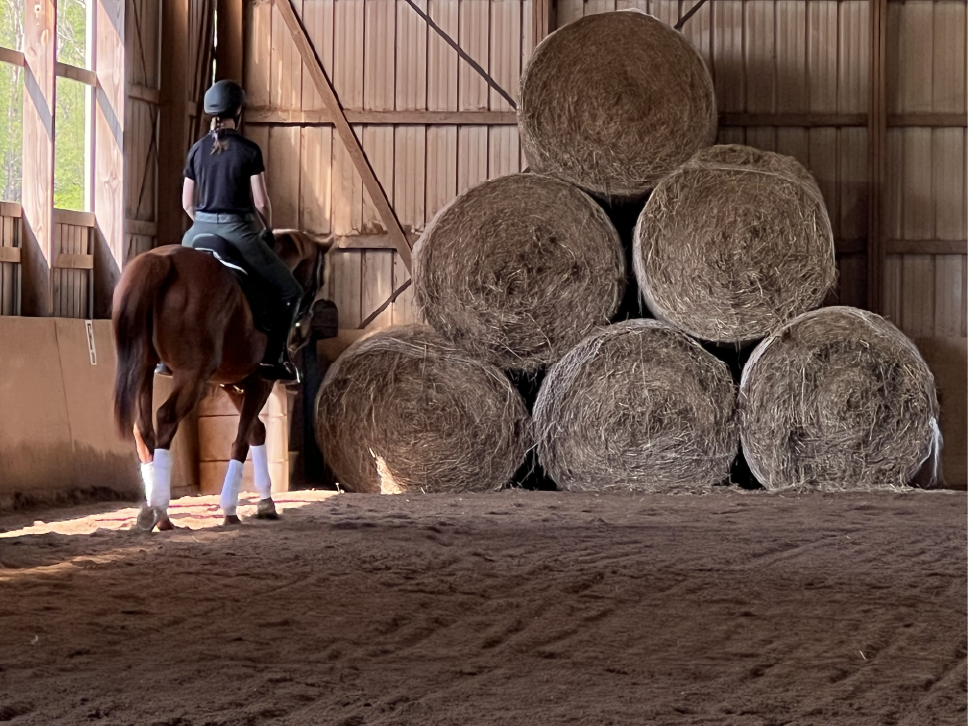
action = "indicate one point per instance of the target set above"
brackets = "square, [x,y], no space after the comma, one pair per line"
[188,197]
[261,198]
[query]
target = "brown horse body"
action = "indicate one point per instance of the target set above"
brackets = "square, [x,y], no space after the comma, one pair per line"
[183,307]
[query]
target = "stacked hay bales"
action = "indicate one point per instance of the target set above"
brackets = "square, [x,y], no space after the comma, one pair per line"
[733,244]
[523,275]
[839,399]
[497,267]
[403,411]
[614,102]
[637,406]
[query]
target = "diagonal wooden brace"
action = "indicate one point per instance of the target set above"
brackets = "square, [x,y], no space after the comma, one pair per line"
[325,89]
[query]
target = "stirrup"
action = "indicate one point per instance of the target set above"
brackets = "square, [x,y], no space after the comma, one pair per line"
[282,371]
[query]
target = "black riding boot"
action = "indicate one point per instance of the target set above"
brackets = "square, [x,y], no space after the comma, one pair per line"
[278,365]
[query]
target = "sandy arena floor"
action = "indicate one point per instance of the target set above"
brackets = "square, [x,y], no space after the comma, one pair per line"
[732,609]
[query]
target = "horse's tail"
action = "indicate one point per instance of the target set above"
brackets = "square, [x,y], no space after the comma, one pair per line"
[134,301]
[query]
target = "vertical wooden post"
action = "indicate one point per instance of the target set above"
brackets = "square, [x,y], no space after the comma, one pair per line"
[40,35]
[877,154]
[173,137]
[228,30]
[541,19]
[109,254]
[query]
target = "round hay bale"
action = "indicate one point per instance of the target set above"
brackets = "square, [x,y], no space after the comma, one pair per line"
[838,399]
[613,102]
[518,269]
[403,411]
[637,406]
[733,244]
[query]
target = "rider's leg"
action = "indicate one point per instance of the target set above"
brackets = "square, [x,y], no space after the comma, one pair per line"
[257,253]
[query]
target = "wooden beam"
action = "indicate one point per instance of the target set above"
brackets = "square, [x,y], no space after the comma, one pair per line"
[141,93]
[929,120]
[38,158]
[877,153]
[313,65]
[81,75]
[541,20]
[803,120]
[136,226]
[76,219]
[9,55]
[10,254]
[10,209]
[173,142]
[368,320]
[370,241]
[926,247]
[231,42]
[65,261]
[109,189]
[322,117]
[281,116]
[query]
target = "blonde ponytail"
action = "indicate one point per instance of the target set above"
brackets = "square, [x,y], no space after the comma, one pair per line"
[218,146]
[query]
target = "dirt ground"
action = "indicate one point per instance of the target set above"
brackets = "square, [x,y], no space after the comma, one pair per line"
[731,609]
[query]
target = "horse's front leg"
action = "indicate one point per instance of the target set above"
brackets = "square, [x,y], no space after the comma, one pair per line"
[254,394]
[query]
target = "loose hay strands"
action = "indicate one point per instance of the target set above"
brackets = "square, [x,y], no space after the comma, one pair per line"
[734,244]
[637,406]
[838,399]
[403,411]
[518,269]
[613,102]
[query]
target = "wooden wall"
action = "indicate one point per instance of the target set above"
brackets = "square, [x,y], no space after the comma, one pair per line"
[143,60]
[925,209]
[429,124]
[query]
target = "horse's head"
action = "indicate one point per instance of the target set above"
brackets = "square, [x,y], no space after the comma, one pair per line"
[305,255]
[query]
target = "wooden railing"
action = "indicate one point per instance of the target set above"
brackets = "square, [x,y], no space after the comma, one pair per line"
[72,266]
[10,242]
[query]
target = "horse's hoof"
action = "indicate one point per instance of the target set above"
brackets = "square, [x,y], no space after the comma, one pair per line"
[230,520]
[148,519]
[266,510]
[165,525]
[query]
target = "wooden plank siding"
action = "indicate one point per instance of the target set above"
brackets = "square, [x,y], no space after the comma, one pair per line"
[382,59]
[926,292]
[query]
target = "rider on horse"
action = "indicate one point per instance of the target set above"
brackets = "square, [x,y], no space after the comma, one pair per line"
[224,193]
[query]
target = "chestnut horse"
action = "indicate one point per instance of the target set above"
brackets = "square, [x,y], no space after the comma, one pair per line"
[181,306]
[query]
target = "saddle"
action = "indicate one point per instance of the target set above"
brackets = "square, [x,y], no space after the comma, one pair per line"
[263,299]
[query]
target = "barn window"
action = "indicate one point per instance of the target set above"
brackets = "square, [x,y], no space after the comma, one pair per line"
[11,131]
[11,99]
[73,105]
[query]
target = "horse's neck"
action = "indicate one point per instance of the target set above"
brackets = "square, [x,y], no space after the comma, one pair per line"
[291,251]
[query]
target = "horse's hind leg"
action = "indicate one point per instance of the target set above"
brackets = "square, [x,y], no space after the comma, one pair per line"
[144,432]
[187,389]
[254,394]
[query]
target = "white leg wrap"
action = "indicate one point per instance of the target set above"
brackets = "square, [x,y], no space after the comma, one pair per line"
[161,491]
[148,477]
[260,466]
[229,501]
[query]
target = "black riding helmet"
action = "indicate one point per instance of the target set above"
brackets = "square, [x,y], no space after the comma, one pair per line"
[225,99]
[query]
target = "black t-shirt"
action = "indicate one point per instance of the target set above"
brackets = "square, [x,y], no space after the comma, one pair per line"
[222,183]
